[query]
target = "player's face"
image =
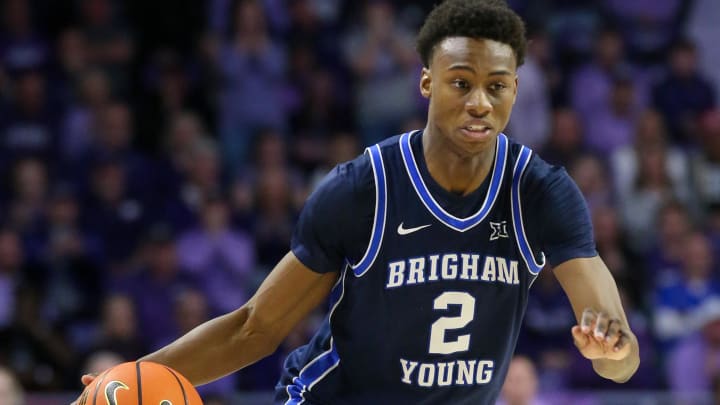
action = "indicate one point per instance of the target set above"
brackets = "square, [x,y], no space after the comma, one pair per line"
[471,84]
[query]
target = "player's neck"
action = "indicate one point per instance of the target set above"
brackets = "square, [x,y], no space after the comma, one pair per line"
[453,170]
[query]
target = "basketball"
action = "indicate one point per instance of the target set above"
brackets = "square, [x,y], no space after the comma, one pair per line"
[142,382]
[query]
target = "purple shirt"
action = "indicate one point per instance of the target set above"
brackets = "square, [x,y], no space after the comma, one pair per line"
[686,366]
[7,299]
[223,263]
[607,132]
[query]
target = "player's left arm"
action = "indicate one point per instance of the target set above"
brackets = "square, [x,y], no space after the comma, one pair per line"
[557,211]
[603,333]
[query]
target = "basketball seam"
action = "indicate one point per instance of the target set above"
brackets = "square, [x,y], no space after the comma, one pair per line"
[182,389]
[139,382]
[97,387]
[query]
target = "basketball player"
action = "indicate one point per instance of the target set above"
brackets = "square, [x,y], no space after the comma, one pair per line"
[427,245]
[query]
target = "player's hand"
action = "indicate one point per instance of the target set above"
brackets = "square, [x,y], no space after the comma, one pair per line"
[600,337]
[86,380]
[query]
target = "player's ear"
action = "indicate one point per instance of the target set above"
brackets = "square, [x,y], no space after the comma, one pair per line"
[515,90]
[425,82]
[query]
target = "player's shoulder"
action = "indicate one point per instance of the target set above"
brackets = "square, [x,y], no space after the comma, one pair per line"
[389,147]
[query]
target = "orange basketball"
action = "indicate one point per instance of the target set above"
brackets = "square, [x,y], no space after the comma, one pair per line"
[140,383]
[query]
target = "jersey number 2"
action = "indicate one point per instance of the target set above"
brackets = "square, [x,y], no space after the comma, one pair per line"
[438,344]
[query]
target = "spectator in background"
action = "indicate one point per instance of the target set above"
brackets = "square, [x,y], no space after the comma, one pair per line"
[521,383]
[11,393]
[309,29]
[156,283]
[626,267]
[170,90]
[531,126]
[591,176]
[68,266]
[381,57]
[695,362]
[270,154]
[610,127]
[26,208]
[221,258]
[113,213]
[29,126]
[652,188]
[321,111]
[705,160]
[34,349]
[649,131]
[703,29]
[113,136]
[274,214]
[672,225]
[93,96]
[118,332]
[591,84]
[11,274]
[184,131]
[21,46]
[566,139]
[270,151]
[648,26]
[69,64]
[684,93]
[252,65]
[198,180]
[316,73]
[109,41]
[678,300]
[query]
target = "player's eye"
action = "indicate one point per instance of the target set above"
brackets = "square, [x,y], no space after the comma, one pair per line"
[460,84]
[499,86]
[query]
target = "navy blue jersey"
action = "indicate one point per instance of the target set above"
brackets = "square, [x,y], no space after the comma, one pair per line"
[433,286]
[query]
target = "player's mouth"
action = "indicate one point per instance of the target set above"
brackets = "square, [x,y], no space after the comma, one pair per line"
[477,131]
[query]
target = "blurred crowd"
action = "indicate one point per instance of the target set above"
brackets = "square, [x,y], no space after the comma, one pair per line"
[155,155]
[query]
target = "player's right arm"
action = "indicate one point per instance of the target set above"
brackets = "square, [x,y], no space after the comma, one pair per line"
[298,283]
[237,339]
[255,330]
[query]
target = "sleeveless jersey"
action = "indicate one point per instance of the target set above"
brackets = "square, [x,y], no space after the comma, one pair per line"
[432,311]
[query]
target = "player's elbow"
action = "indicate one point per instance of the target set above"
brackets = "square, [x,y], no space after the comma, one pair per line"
[257,334]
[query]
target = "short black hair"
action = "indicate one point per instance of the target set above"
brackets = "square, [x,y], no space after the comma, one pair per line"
[489,19]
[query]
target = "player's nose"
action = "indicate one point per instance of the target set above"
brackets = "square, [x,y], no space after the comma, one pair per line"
[478,104]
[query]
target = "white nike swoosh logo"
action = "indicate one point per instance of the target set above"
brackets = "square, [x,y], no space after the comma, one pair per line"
[406,231]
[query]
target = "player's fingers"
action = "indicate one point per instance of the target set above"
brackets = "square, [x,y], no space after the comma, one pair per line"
[587,320]
[88,378]
[601,325]
[613,332]
[623,343]
[579,338]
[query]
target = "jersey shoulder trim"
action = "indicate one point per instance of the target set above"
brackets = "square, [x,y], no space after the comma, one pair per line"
[378,228]
[516,208]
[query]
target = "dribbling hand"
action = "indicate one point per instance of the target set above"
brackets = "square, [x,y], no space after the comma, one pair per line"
[86,380]
[600,337]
